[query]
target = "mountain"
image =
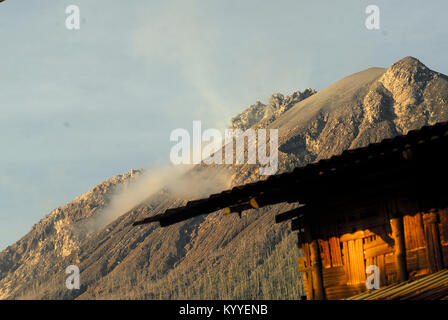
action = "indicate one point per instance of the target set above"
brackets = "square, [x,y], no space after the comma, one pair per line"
[260,115]
[217,256]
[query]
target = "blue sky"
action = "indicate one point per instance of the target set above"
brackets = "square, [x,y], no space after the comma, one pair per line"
[78,107]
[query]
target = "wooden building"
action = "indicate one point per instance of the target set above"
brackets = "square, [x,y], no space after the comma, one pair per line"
[384,205]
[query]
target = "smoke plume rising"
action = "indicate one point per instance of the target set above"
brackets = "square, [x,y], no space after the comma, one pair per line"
[182,182]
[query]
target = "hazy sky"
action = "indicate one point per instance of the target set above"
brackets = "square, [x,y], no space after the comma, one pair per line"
[78,107]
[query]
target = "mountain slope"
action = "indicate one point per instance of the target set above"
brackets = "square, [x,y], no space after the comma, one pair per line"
[221,256]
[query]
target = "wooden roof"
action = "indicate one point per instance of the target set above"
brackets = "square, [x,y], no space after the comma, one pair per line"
[430,287]
[401,164]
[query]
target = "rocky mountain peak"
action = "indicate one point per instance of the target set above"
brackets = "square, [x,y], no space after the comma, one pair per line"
[260,115]
[411,93]
[408,70]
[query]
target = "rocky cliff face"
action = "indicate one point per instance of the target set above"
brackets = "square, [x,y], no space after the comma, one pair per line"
[220,256]
[52,239]
[260,115]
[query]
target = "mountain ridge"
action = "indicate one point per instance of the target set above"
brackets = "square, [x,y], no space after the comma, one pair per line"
[217,256]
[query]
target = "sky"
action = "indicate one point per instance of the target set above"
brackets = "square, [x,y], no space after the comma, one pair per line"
[80,106]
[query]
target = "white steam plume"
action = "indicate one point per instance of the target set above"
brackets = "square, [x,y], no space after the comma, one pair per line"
[179,181]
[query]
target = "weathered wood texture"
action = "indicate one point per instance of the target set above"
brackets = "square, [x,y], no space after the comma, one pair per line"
[396,224]
[316,265]
[443,215]
[414,233]
[305,267]
[433,245]
[408,245]
[335,283]
[335,251]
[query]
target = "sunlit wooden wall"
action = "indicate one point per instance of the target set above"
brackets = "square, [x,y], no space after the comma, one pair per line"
[346,248]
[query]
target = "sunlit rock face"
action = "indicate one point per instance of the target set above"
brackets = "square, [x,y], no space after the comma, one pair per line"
[216,256]
[260,115]
[418,95]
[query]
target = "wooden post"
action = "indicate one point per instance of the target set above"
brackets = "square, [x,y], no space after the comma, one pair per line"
[304,268]
[396,224]
[316,264]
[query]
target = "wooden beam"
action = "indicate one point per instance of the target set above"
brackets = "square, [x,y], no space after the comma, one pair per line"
[356,235]
[396,224]
[291,214]
[376,251]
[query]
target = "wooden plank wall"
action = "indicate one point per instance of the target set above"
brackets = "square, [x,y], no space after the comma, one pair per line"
[443,214]
[417,262]
[426,240]
[344,268]
[443,227]
[353,253]
[345,257]
[413,230]
[432,237]
[372,246]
